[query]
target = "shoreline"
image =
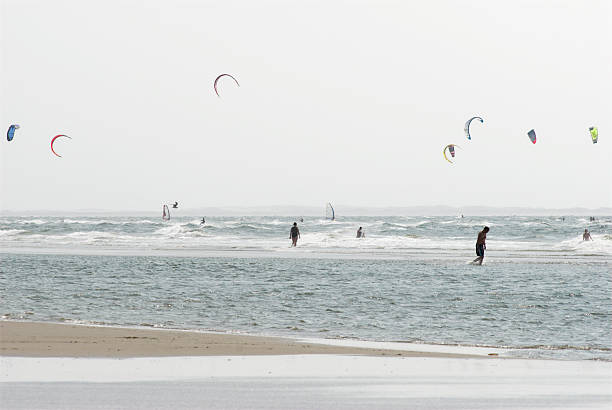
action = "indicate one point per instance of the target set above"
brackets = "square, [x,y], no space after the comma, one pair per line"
[46,339]
[458,255]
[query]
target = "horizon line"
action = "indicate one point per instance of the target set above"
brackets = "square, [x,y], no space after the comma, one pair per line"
[350,210]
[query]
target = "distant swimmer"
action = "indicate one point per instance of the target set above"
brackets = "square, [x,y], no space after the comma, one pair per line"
[295,234]
[203,221]
[175,205]
[301,219]
[481,245]
[586,236]
[360,233]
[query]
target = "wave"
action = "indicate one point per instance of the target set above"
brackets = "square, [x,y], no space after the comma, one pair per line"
[564,347]
[108,222]
[510,237]
[9,232]
[599,244]
[177,229]
[31,221]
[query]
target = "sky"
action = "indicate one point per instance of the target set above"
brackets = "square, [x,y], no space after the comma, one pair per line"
[344,101]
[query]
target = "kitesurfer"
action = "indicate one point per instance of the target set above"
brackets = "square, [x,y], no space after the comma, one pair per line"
[481,245]
[294,234]
[175,205]
[203,221]
[586,236]
[360,233]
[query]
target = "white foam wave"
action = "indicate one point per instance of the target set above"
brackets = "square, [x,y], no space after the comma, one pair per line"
[31,221]
[11,232]
[395,234]
[599,244]
[85,221]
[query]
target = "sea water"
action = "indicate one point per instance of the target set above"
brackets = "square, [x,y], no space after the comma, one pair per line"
[542,291]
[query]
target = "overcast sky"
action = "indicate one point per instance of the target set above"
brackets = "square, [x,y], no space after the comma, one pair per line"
[343,101]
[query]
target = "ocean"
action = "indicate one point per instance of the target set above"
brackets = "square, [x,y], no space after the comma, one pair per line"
[542,292]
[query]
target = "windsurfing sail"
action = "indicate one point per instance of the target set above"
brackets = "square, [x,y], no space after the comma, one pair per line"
[10,133]
[165,213]
[53,140]
[466,128]
[329,212]
[217,80]
[594,134]
[532,136]
[451,149]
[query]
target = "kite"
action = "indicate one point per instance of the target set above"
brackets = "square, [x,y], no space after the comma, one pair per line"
[451,149]
[467,126]
[217,80]
[532,136]
[11,132]
[53,140]
[594,134]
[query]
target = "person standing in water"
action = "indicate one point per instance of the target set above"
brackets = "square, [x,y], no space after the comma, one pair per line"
[359,232]
[481,245]
[294,234]
[586,236]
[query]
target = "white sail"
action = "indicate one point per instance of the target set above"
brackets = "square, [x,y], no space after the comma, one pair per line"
[329,212]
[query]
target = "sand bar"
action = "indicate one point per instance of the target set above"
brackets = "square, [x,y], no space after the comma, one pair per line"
[36,339]
[59,366]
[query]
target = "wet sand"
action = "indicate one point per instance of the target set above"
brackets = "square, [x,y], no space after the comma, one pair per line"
[34,339]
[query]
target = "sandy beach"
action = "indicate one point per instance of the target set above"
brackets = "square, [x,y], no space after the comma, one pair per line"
[32,339]
[58,366]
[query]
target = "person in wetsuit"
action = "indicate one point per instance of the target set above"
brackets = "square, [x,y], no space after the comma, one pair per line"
[203,221]
[481,245]
[294,234]
[360,233]
[175,205]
